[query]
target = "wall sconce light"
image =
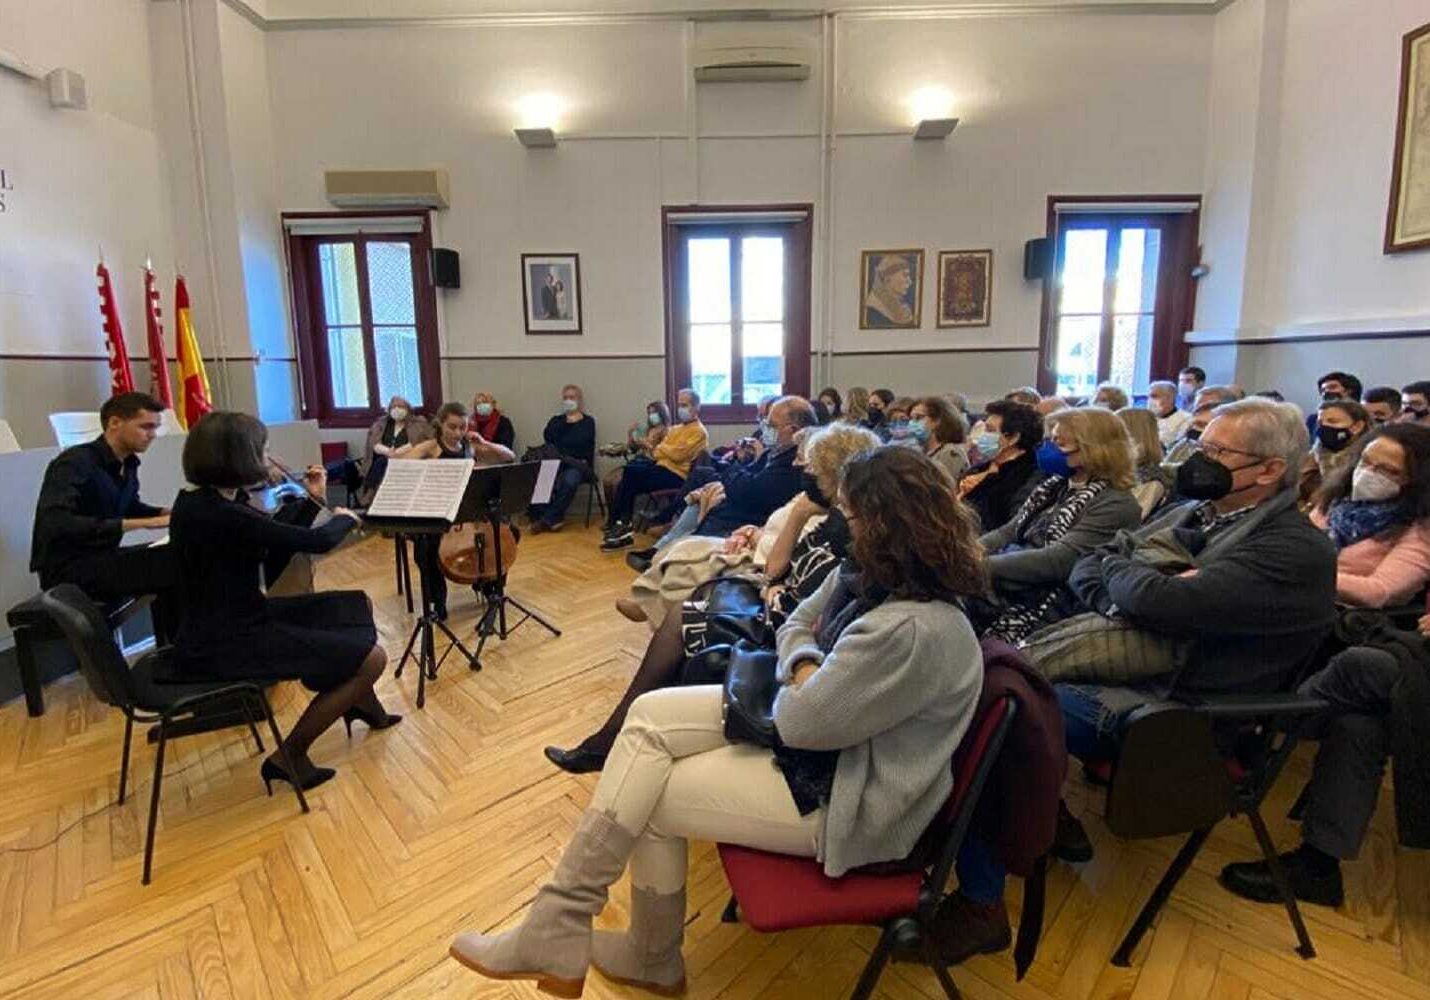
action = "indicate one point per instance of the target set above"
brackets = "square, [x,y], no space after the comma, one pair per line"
[537,116]
[935,128]
[536,138]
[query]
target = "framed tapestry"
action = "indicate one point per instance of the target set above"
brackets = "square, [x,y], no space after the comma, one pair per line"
[1407,224]
[965,287]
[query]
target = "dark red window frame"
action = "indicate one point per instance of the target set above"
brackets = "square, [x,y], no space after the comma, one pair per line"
[797,284]
[309,322]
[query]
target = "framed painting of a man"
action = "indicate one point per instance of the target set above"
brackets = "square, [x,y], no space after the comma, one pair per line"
[1407,224]
[965,287]
[551,292]
[891,284]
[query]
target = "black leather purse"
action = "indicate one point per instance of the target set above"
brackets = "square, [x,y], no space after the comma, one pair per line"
[749,697]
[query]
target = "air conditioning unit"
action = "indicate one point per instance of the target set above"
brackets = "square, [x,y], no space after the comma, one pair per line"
[387,188]
[750,63]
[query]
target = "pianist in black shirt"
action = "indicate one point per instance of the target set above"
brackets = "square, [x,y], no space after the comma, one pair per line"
[90,498]
[231,630]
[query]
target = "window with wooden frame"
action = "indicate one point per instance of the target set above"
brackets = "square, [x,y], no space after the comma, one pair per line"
[1121,295]
[737,301]
[365,310]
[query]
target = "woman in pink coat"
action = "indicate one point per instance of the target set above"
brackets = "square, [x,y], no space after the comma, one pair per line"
[1376,508]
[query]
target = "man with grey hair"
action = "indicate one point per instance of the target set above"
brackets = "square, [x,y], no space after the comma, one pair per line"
[1172,423]
[1252,591]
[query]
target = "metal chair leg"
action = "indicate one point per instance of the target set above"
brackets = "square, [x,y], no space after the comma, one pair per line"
[1304,948]
[875,966]
[247,707]
[282,750]
[940,970]
[124,757]
[154,798]
[1122,957]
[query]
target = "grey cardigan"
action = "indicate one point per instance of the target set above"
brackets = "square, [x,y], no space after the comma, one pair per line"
[1107,513]
[895,696]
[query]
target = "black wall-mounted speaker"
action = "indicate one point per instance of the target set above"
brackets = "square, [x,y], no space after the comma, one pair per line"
[1038,259]
[446,268]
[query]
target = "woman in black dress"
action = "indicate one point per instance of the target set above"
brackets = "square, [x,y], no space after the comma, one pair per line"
[231,630]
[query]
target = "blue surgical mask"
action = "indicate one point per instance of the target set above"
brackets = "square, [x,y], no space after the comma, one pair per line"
[653,419]
[989,443]
[684,414]
[570,405]
[769,436]
[484,409]
[1052,460]
[919,431]
[898,430]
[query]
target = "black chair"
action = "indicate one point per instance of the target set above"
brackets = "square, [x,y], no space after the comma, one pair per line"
[32,626]
[596,495]
[1186,764]
[143,697]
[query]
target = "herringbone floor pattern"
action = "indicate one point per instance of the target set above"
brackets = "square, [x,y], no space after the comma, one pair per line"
[449,822]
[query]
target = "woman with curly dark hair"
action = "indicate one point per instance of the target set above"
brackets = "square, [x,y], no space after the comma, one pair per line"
[878,667]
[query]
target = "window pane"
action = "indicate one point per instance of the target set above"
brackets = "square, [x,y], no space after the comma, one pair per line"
[389,285]
[1131,363]
[710,362]
[1137,270]
[709,282]
[1077,354]
[764,359]
[398,373]
[762,280]
[1084,266]
[347,367]
[338,266]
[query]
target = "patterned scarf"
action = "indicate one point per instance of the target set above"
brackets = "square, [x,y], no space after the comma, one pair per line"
[1352,521]
[486,426]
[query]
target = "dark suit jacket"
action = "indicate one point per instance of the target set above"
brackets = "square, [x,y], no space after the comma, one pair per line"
[753,492]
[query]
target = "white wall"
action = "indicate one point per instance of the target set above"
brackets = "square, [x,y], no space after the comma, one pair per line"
[82,180]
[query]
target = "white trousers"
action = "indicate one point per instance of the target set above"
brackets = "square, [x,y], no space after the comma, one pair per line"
[672,776]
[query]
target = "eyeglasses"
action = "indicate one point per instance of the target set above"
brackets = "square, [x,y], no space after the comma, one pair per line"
[1215,451]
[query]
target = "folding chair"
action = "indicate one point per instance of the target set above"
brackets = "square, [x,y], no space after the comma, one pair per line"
[144,699]
[777,892]
[596,495]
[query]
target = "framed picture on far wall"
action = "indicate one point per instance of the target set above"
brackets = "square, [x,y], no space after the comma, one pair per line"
[965,287]
[1407,224]
[551,292]
[891,287]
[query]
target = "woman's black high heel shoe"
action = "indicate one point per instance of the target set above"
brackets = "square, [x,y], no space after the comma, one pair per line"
[576,760]
[271,772]
[373,722]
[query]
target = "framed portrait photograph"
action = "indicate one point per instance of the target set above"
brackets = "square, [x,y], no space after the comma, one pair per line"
[551,292]
[965,287]
[1407,224]
[891,285]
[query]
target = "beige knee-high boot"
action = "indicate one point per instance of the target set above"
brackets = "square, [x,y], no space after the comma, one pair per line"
[553,943]
[648,955]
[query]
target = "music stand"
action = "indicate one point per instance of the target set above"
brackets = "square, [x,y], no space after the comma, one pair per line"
[498,490]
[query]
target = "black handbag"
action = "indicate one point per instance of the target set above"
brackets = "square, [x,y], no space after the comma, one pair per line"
[749,696]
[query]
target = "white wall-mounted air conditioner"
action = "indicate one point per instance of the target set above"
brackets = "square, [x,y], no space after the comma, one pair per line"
[750,63]
[387,188]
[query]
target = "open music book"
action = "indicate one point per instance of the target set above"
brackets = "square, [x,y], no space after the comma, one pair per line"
[422,488]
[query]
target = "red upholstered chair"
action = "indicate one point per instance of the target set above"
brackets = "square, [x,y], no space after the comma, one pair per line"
[776,892]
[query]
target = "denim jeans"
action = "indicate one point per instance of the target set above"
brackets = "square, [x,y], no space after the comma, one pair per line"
[563,491]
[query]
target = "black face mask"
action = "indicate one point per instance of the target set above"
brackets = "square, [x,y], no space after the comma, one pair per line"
[812,490]
[1200,478]
[1333,438]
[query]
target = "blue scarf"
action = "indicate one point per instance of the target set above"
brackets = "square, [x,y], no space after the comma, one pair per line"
[1352,521]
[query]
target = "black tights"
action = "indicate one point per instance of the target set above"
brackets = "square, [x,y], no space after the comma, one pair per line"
[660,668]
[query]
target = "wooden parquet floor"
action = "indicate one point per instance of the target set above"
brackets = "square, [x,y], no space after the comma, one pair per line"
[449,822]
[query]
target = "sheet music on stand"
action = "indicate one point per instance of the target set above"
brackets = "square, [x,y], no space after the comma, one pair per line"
[416,488]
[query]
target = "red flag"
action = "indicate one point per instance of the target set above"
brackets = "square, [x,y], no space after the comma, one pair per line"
[193,380]
[153,321]
[121,379]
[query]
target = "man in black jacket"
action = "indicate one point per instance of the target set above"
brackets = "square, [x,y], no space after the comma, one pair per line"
[90,498]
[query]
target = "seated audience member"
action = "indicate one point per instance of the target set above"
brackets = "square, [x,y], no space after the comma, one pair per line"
[1373,716]
[491,423]
[1416,398]
[879,401]
[996,488]
[1153,481]
[1331,387]
[1339,424]
[232,631]
[1172,422]
[1187,446]
[811,542]
[1084,502]
[856,406]
[833,402]
[453,440]
[395,429]
[1110,397]
[1190,381]
[1383,403]
[1049,405]
[571,436]
[1026,395]
[1272,394]
[90,498]
[896,421]
[641,440]
[745,492]
[672,459]
[942,434]
[1256,605]
[1376,508]
[880,676]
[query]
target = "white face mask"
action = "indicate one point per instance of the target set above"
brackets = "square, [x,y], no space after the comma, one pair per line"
[569,405]
[1373,485]
[398,413]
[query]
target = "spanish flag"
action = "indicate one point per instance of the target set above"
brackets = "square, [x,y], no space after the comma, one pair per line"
[193,380]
